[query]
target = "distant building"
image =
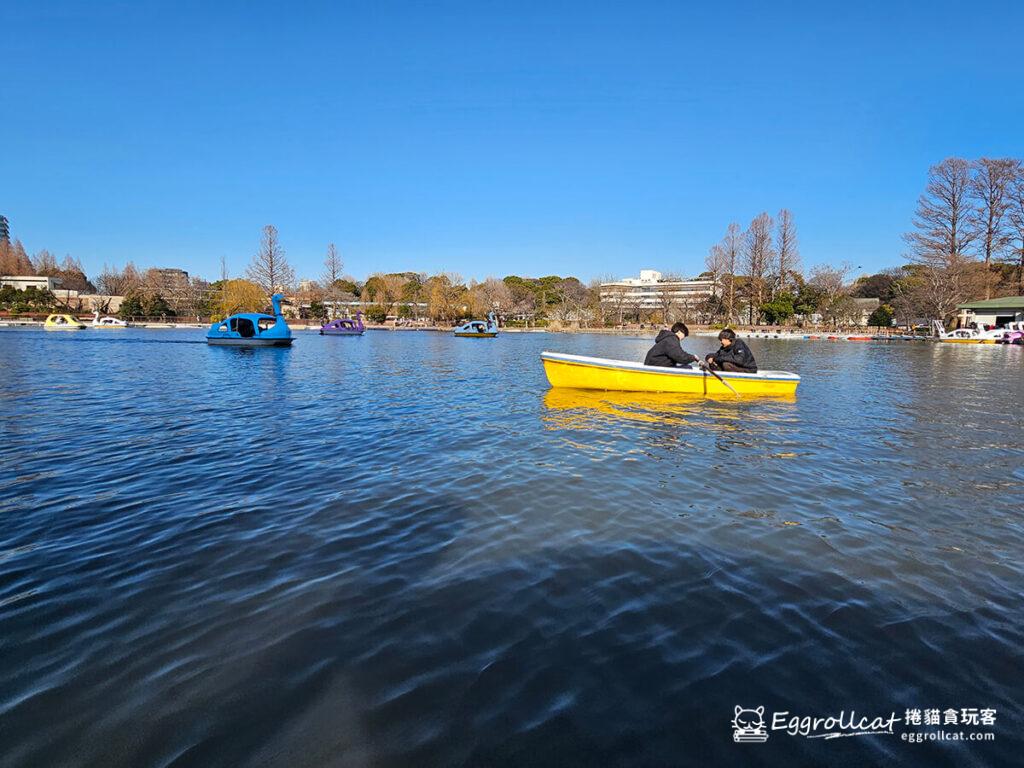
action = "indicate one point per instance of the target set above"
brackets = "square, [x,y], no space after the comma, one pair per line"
[863,309]
[5,231]
[171,282]
[39,282]
[305,286]
[994,312]
[650,291]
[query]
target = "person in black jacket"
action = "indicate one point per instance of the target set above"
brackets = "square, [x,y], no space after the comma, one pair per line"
[734,355]
[667,351]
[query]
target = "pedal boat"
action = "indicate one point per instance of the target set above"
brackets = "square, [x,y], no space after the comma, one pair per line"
[252,330]
[966,335]
[971,336]
[1013,333]
[478,329]
[578,372]
[107,322]
[63,323]
[344,326]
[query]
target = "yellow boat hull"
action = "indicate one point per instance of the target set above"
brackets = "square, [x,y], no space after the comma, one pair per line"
[474,335]
[63,323]
[967,341]
[577,372]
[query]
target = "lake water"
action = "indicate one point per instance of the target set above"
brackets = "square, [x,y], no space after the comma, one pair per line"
[405,550]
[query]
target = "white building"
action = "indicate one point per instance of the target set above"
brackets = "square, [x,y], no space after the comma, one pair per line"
[996,313]
[39,282]
[651,292]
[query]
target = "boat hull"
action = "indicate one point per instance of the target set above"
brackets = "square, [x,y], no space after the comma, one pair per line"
[475,335]
[340,333]
[574,371]
[64,327]
[249,342]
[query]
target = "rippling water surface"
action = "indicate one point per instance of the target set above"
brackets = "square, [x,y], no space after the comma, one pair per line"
[405,550]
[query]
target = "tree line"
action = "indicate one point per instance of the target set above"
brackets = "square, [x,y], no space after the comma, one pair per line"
[966,241]
[967,237]
[14,260]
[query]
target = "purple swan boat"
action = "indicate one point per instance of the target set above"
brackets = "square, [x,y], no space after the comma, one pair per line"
[344,327]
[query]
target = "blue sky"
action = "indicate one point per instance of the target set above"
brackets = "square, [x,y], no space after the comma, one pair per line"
[485,138]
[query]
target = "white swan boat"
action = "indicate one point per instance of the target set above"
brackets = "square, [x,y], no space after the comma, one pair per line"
[967,335]
[107,322]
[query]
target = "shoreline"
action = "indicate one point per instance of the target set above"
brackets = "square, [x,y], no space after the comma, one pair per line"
[640,333]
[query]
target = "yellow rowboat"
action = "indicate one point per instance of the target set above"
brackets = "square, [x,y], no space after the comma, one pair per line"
[580,372]
[63,323]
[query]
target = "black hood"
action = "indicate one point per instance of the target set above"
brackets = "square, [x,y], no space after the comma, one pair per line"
[667,351]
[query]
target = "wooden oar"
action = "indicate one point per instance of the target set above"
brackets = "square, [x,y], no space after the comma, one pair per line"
[707,369]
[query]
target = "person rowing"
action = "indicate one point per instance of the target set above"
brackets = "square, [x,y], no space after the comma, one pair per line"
[668,351]
[733,356]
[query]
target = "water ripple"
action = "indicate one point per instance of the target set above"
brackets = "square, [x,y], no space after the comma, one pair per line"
[405,549]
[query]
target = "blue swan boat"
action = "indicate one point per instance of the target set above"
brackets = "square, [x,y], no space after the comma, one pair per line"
[478,329]
[252,330]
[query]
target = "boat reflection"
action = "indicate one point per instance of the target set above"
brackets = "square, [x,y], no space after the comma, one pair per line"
[593,409]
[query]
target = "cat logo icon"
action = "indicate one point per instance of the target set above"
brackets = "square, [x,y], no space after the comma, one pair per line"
[748,726]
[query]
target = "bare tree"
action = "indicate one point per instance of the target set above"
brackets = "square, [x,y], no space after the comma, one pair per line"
[634,304]
[732,245]
[667,299]
[991,188]
[269,268]
[45,263]
[943,232]
[943,228]
[193,297]
[119,282]
[1016,217]
[14,260]
[758,255]
[594,303]
[835,295]
[223,280]
[572,296]
[787,253]
[332,273]
[716,263]
[492,295]
[720,264]
[615,297]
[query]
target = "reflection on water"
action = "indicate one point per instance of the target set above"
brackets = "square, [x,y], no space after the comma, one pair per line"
[579,407]
[594,422]
[405,549]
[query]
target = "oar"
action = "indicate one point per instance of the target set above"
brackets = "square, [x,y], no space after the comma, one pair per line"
[707,369]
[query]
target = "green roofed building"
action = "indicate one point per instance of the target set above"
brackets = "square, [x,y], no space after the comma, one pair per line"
[992,312]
